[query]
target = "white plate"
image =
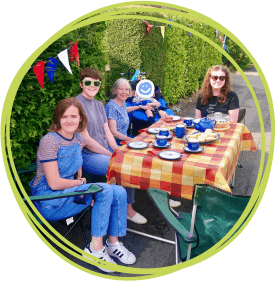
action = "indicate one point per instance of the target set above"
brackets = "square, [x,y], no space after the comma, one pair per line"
[203,142]
[168,137]
[200,149]
[176,118]
[153,130]
[169,155]
[137,144]
[159,146]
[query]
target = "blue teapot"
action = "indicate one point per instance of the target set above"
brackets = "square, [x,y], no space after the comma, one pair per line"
[201,124]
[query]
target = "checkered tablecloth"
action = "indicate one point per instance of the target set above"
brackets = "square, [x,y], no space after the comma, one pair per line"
[143,169]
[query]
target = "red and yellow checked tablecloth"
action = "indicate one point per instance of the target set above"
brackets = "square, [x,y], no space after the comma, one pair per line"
[214,166]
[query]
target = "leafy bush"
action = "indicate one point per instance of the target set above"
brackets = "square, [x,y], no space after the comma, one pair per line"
[240,57]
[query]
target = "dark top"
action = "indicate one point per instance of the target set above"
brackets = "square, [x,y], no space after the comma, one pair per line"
[232,102]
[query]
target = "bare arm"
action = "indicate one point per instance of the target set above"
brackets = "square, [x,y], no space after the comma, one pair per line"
[132,108]
[233,115]
[93,145]
[155,103]
[113,128]
[110,139]
[53,177]
[198,113]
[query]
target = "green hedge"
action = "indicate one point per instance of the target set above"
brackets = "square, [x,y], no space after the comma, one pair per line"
[240,57]
[177,63]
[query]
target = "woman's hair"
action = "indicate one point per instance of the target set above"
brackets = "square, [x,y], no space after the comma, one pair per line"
[207,92]
[61,107]
[117,84]
[90,72]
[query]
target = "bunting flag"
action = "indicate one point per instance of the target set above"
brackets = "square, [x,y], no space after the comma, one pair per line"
[39,72]
[51,67]
[220,38]
[74,52]
[63,57]
[162,31]
[170,24]
[149,27]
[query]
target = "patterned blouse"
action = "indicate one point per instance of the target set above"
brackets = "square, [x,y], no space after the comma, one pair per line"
[118,113]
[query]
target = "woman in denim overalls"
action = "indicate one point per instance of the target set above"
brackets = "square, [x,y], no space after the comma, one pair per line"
[55,174]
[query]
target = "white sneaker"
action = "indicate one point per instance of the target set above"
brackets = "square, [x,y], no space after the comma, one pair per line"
[174,204]
[100,255]
[119,251]
[137,218]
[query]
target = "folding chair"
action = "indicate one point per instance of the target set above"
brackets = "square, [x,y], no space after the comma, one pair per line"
[241,119]
[214,214]
[71,222]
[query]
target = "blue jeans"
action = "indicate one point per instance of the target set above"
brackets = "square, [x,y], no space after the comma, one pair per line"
[97,164]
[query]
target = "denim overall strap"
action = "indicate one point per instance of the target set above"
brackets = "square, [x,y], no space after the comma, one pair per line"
[69,159]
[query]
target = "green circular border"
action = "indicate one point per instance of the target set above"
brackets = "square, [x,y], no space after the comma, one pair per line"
[93,18]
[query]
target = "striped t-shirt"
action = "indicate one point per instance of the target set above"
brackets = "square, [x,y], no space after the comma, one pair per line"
[48,150]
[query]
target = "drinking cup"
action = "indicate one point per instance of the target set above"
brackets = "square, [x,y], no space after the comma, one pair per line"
[193,144]
[188,121]
[161,140]
[180,131]
[164,132]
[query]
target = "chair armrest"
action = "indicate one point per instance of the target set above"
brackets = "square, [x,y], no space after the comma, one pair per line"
[161,201]
[94,188]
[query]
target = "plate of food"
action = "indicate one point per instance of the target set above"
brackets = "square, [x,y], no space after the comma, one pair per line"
[170,155]
[176,118]
[153,130]
[138,144]
[204,138]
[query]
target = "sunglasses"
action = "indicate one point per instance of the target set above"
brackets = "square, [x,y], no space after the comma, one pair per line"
[215,78]
[88,83]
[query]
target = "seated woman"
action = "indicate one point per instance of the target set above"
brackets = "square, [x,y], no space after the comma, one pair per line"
[100,141]
[217,94]
[59,158]
[117,114]
[118,121]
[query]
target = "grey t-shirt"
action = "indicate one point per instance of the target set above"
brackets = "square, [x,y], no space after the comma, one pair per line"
[96,115]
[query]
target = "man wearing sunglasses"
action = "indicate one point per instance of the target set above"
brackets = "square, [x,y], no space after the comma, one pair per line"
[96,156]
[217,95]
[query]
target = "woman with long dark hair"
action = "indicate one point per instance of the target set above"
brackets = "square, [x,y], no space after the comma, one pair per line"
[217,95]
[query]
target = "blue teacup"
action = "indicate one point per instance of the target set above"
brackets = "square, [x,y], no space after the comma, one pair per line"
[161,140]
[180,131]
[188,121]
[193,144]
[164,132]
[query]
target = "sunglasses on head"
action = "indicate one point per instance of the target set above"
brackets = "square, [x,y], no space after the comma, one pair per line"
[88,83]
[215,78]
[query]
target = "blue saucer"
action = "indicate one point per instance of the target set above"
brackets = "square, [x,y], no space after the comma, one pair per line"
[159,146]
[200,149]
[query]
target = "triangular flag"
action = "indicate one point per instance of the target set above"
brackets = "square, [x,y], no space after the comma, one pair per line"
[149,27]
[220,38]
[51,67]
[63,57]
[39,72]
[74,52]
[163,31]
[170,24]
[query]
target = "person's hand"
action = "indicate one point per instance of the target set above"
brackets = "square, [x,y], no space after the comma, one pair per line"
[147,107]
[92,203]
[84,179]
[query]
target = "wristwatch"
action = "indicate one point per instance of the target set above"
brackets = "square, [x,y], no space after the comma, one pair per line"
[139,106]
[82,182]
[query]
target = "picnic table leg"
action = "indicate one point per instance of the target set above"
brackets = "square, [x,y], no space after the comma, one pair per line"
[191,235]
